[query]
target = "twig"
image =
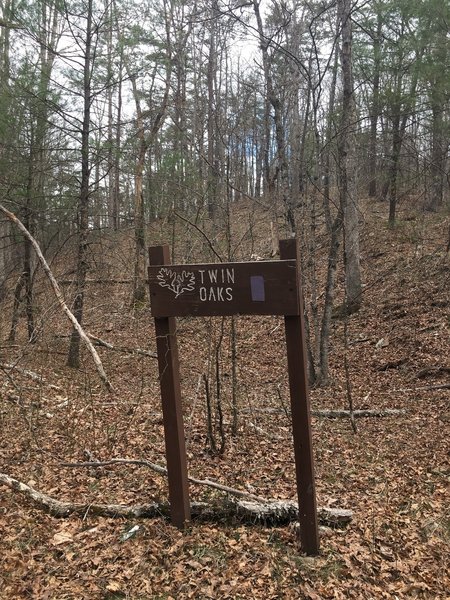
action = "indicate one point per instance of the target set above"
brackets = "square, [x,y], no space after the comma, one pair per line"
[348,382]
[262,431]
[432,371]
[286,410]
[99,342]
[31,374]
[210,244]
[163,471]
[97,281]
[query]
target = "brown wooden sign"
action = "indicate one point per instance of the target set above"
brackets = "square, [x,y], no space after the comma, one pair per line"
[247,288]
[259,288]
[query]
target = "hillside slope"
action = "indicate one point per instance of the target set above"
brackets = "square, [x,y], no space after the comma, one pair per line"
[393,473]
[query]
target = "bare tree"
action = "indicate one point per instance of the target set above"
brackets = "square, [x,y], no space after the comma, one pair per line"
[347,166]
[73,359]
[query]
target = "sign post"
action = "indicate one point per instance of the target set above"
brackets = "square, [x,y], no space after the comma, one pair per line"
[169,378]
[253,288]
[301,416]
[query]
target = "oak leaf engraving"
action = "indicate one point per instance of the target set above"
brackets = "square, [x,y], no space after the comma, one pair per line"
[177,282]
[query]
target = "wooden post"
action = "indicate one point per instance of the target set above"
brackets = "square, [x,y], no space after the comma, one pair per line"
[166,343]
[301,416]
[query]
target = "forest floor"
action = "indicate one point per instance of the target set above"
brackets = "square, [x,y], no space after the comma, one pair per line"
[393,473]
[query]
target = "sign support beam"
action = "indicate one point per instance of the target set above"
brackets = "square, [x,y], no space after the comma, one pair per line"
[301,417]
[169,375]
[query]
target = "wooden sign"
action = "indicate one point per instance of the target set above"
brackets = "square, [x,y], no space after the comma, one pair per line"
[247,288]
[259,288]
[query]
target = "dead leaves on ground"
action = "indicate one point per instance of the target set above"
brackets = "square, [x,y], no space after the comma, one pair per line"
[393,474]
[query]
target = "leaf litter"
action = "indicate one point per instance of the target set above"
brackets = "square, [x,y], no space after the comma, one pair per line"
[394,473]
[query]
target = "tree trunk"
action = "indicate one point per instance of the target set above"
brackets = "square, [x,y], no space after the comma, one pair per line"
[27,265]
[323,371]
[73,359]
[393,170]
[116,189]
[272,100]
[375,109]
[211,124]
[399,123]
[139,219]
[346,166]
[329,138]
[438,151]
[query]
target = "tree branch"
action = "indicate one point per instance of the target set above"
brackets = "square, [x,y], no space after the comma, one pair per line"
[102,343]
[163,471]
[98,363]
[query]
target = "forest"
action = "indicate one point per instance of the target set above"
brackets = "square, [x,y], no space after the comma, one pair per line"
[221,128]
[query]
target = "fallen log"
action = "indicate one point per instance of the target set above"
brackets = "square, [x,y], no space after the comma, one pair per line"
[338,414]
[430,371]
[269,512]
[424,388]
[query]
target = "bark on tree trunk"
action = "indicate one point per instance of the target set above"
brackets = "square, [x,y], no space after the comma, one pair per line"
[347,194]
[145,140]
[375,109]
[402,108]
[212,191]
[329,138]
[393,171]
[438,147]
[73,359]
[323,371]
[280,174]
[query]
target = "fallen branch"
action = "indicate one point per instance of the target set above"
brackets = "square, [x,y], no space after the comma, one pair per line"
[274,512]
[98,363]
[262,431]
[97,281]
[392,364]
[359,341]
[104,344]
[425,388]
[30,374]
[338,414]
[99,342]
[429,371]
[163,471]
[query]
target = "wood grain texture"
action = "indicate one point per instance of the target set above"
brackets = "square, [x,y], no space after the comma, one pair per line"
[169,376]
[224,289]
[301,419]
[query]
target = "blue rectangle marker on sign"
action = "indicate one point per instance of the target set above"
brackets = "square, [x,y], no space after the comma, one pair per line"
[257,288]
